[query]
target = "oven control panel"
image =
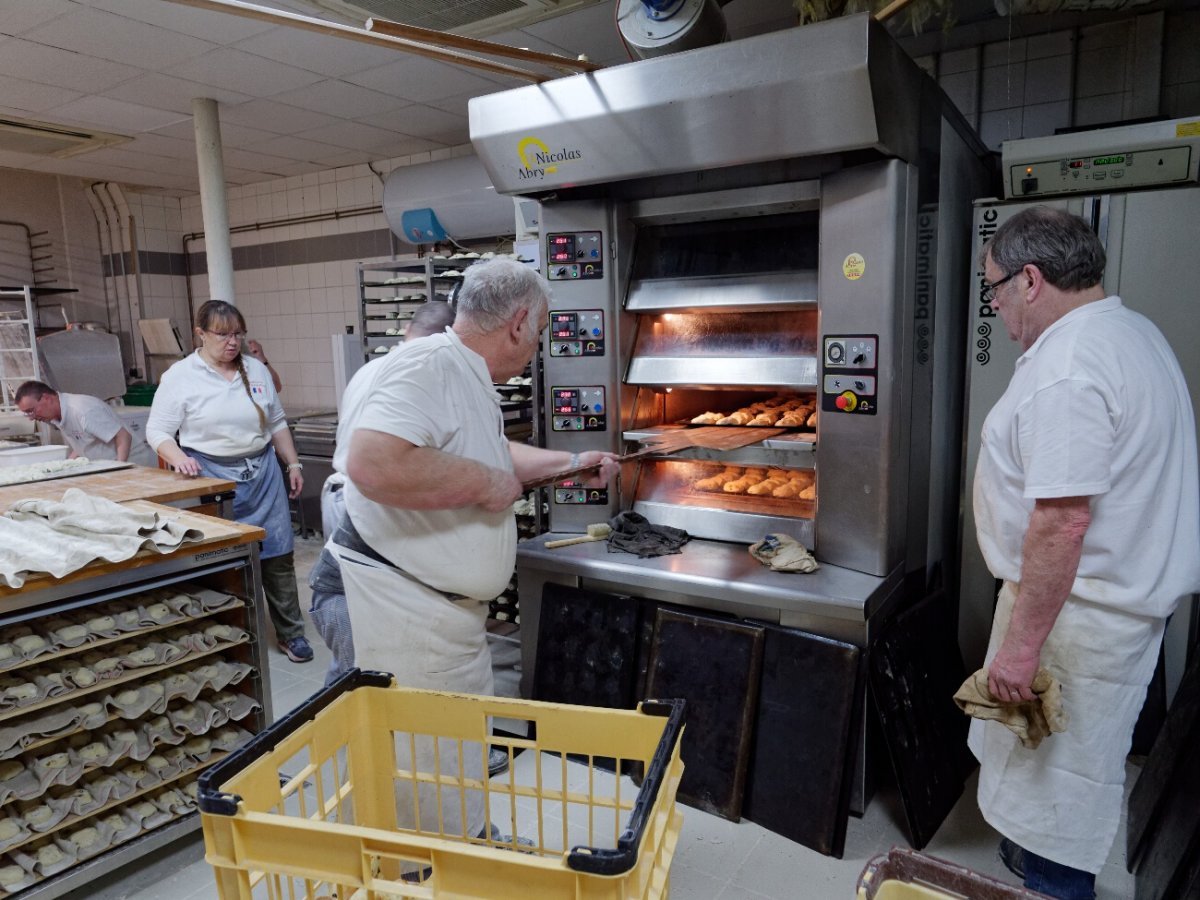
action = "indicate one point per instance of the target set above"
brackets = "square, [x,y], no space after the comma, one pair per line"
[573,492]
[851,370]
[578,409]
[578,332]
[574,255]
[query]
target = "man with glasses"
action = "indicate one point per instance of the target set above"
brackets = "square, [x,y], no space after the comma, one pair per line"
[1088,509]
[88,425]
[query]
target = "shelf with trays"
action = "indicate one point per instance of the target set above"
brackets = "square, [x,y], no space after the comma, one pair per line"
[401,285]
[237,666]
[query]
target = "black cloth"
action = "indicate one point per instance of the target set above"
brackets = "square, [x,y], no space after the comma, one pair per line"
[633,533]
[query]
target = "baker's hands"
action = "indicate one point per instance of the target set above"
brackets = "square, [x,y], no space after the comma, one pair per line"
[609,467]
[1010,676]
[503,490]
[187,466]
[295,483]
[254,348]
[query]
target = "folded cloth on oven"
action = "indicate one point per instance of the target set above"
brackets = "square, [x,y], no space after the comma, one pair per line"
[633,533]
[783,553]
[1030,720]
[61,536]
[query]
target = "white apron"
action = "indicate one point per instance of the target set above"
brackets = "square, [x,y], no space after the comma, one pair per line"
[426,641]
[1063,800]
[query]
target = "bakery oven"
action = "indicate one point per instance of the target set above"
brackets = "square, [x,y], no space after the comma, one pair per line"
[763,234]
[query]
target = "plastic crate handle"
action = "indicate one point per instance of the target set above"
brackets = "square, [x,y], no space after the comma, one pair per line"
[220,803]
[622,859]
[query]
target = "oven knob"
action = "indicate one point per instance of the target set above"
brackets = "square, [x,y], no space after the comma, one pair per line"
[846,401]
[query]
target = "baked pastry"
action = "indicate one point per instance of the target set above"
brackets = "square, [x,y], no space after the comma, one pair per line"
[739,417]
[718,481]
[741,485]
[708,418]
[766,486]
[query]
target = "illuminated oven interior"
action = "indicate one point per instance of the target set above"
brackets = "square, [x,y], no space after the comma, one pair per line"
[706,406]
[728,335]
[737,488]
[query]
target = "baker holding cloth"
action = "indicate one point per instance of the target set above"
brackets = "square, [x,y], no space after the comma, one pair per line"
[429,535]
[223,405]
[1088,509]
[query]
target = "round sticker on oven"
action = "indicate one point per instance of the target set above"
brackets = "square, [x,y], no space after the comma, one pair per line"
[853,266]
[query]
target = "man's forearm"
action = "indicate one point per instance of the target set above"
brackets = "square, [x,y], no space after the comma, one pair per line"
[395,473]
[124,441]
[530,463]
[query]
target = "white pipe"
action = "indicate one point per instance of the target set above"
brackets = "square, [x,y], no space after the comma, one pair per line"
[116,249]
[98,212]
[211,169]
[134,296]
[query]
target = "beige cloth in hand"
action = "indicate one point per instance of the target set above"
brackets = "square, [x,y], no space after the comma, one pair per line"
[1030,720]
[783,553]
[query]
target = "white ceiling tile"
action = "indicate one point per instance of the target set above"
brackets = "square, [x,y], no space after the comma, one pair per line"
[344,158]
[518,38]
[278,118]
[326,54]
[356,136]
[592,31]
[112,115]
[31,96]
[339,98]
[168,92]
[294,148]
[18,16]
[10,160]
[420,80]
[401,146]
[425,121]
[232,135]
[35,62]
[255,160]
[239,71]
[117,38]
[161,145]
[208,25]
[138,160]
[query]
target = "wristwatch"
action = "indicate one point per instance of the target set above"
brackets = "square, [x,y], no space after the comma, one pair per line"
[295,465]
[575,462]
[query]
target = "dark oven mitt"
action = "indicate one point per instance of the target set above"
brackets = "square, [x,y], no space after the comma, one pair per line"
[633,533]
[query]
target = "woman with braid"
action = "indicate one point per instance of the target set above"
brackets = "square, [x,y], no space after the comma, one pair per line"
[223,406]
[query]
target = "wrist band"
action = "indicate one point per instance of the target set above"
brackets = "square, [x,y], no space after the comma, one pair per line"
[575,463]
[295,465]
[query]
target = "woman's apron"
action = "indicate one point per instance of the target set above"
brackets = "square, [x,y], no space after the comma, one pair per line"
[259,495]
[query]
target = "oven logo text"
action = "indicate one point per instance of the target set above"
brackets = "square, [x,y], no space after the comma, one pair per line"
[538,160]
[984,311]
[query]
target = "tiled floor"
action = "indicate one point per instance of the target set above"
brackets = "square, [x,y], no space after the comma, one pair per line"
[714,860]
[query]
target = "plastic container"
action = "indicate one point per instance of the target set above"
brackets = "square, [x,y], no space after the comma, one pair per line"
[24,456]
[902,874]
[308,808]
[139,394]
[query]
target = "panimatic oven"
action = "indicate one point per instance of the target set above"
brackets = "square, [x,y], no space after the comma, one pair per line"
[764,233]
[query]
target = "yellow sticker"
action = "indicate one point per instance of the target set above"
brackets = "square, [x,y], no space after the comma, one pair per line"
[853,266]
[1187,129]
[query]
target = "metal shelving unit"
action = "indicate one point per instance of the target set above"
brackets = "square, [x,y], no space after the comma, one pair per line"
[391,290]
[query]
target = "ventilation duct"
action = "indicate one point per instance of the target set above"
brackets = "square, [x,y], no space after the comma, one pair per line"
[656,27]
[44,139]
[452,199]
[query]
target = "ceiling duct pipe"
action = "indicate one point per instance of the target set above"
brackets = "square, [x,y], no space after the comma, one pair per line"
[136,301]
[101,224]
[658,27]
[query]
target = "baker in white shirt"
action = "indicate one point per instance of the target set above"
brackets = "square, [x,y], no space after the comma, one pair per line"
[222,404]
[1088,509]
[88,425]
[429,535]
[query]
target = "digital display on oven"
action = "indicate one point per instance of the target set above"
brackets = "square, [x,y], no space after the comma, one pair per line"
[562,248]
[564,325]
[566,401]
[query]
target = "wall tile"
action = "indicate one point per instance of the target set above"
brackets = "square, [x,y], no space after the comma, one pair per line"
[1003,53]
[1048,79]
[1098,110]
[998,126]
[1041,119]
[1100,71]
[1003,87]
[1108,35]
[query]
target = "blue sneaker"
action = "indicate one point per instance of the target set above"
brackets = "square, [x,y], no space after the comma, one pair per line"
[297,649]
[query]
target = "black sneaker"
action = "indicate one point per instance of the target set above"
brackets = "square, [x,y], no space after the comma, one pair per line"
[297,649]
[497,761]
[1013,857]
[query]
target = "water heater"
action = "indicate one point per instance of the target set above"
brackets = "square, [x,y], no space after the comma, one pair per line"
[452,199]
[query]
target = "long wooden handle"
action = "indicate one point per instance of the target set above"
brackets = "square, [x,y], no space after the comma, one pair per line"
[567,542]
[568,474]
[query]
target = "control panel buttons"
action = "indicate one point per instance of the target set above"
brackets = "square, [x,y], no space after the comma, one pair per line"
[578,332]
[835,352]
[846,401]
[574,255]
[578,408]
[849,382]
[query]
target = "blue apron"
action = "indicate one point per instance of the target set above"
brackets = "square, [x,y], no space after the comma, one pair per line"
[259,498]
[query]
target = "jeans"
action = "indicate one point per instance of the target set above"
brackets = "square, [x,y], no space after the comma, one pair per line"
[1057,880]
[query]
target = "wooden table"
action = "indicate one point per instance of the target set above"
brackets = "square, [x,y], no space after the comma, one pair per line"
[211,496]
[219,534]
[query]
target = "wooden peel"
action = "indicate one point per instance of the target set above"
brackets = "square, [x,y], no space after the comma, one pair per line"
[711,437]
[594,533]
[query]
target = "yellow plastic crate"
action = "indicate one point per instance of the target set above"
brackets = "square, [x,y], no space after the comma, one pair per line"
[308,809]
[902,874]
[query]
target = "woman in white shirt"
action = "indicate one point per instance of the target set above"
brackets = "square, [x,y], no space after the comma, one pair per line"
[223,405]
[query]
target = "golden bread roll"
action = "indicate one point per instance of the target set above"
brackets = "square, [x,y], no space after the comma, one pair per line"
[812,420]
[718,481]
[789,421]
[708,418]
[809,493]
[788,490]
[741,417]
[766,487]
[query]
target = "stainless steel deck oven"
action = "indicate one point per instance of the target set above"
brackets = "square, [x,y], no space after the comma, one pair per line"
[752,233]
